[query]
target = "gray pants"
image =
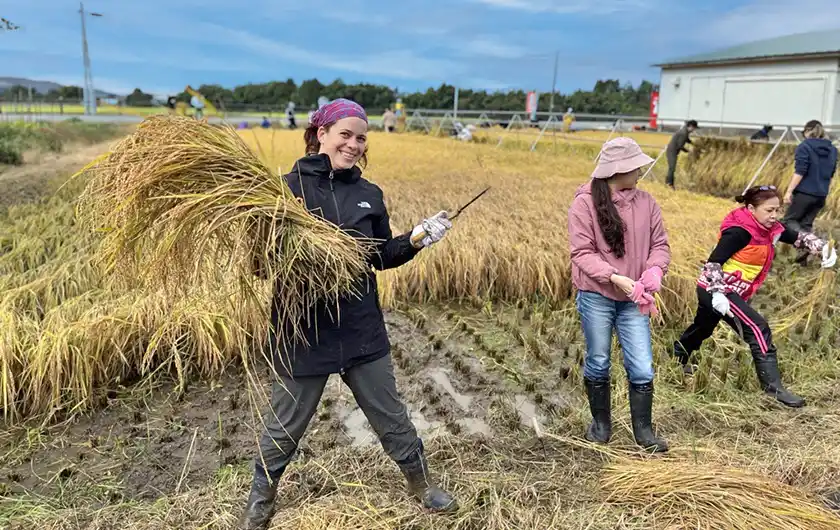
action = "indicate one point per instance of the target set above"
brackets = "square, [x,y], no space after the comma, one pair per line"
[294,401]
[672,167]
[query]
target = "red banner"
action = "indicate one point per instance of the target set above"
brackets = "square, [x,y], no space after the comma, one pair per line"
[654,109]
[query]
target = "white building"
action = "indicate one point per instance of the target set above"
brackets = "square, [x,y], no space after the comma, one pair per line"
[784,81]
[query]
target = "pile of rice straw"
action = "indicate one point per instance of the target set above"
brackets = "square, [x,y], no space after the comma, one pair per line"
[184,205]
[680,494]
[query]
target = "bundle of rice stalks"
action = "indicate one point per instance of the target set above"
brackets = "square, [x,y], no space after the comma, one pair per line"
[724,167]
[814,302]
[688,495]
[186,205]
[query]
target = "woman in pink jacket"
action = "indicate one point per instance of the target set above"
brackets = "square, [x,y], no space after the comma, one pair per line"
[620,252]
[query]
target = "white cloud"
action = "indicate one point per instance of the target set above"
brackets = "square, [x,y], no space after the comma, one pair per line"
[766,19]
[487,84]
[490,46]
[569,6]
[397,64]
[355,17]
[114,86]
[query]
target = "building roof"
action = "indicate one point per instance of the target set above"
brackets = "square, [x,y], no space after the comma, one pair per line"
[817,43]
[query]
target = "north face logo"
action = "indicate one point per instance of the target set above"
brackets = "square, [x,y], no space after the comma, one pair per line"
[364,204]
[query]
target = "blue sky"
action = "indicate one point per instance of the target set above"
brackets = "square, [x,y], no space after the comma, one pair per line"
[163,45]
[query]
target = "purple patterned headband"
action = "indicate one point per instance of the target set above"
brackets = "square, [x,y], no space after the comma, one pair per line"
[336,110]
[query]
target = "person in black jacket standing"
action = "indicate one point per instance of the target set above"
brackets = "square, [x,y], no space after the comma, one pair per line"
[677,146]
[329,182]
[815,165]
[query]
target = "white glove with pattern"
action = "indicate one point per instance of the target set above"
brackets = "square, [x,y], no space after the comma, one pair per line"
[431,230]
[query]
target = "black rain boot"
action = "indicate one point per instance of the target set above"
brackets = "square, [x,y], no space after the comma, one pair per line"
[684,358]
[641,412]
[770,379]
[420,484]
[598,392]
[260,507]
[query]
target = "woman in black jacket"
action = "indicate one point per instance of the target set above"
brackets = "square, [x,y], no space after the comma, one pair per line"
[329,182]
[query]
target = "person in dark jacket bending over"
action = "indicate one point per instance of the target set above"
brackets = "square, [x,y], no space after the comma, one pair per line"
[734,272]
[676,146]
[762,134]
[815,165]
[330,183]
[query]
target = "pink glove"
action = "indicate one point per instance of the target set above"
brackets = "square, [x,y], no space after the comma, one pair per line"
[652,279]
[645,301]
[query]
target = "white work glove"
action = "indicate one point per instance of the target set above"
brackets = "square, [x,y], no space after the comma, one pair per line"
[829,256]
[431,230]
[720,303]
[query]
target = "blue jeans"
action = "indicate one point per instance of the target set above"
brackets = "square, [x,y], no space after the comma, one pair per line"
[599,316]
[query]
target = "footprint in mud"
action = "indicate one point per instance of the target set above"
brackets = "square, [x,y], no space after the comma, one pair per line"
[527,410]
[356,427]
[440,377]
[470,425]
[425,428]
[475,426]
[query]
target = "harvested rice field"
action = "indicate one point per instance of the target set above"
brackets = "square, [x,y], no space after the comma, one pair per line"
[145,416]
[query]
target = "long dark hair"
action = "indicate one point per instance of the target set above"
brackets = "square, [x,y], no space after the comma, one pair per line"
[612,226]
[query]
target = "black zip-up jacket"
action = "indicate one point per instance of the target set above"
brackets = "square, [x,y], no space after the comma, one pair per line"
[345,199]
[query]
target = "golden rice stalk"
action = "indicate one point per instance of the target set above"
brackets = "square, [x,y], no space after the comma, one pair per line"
[16,331]
[815,302]
[186,205]
[688,495]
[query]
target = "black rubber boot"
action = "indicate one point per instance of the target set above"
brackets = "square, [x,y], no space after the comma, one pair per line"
[598,392]
[420,484]
[641,407]
[260,507]
[684,358]
[770,379]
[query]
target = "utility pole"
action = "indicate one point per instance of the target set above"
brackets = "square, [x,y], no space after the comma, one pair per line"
[89,93]
[553,83]
[455,109]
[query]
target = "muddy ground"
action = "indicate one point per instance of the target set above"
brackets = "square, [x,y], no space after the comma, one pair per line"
[152,442]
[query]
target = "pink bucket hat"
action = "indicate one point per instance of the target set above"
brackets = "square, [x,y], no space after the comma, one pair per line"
[620,155]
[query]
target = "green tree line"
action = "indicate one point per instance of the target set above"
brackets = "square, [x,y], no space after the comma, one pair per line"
[606,97]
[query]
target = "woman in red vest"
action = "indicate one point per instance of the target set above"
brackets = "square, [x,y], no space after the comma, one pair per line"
[733,273]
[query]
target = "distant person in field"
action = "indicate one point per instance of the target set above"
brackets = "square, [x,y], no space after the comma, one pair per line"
[290,115]
[463,132]
[815,165]
[762,134]
[389,121]
[329,181]
[677,146]
[568,119]
[265,123]
[735,270]
[198,105]
[619,252]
